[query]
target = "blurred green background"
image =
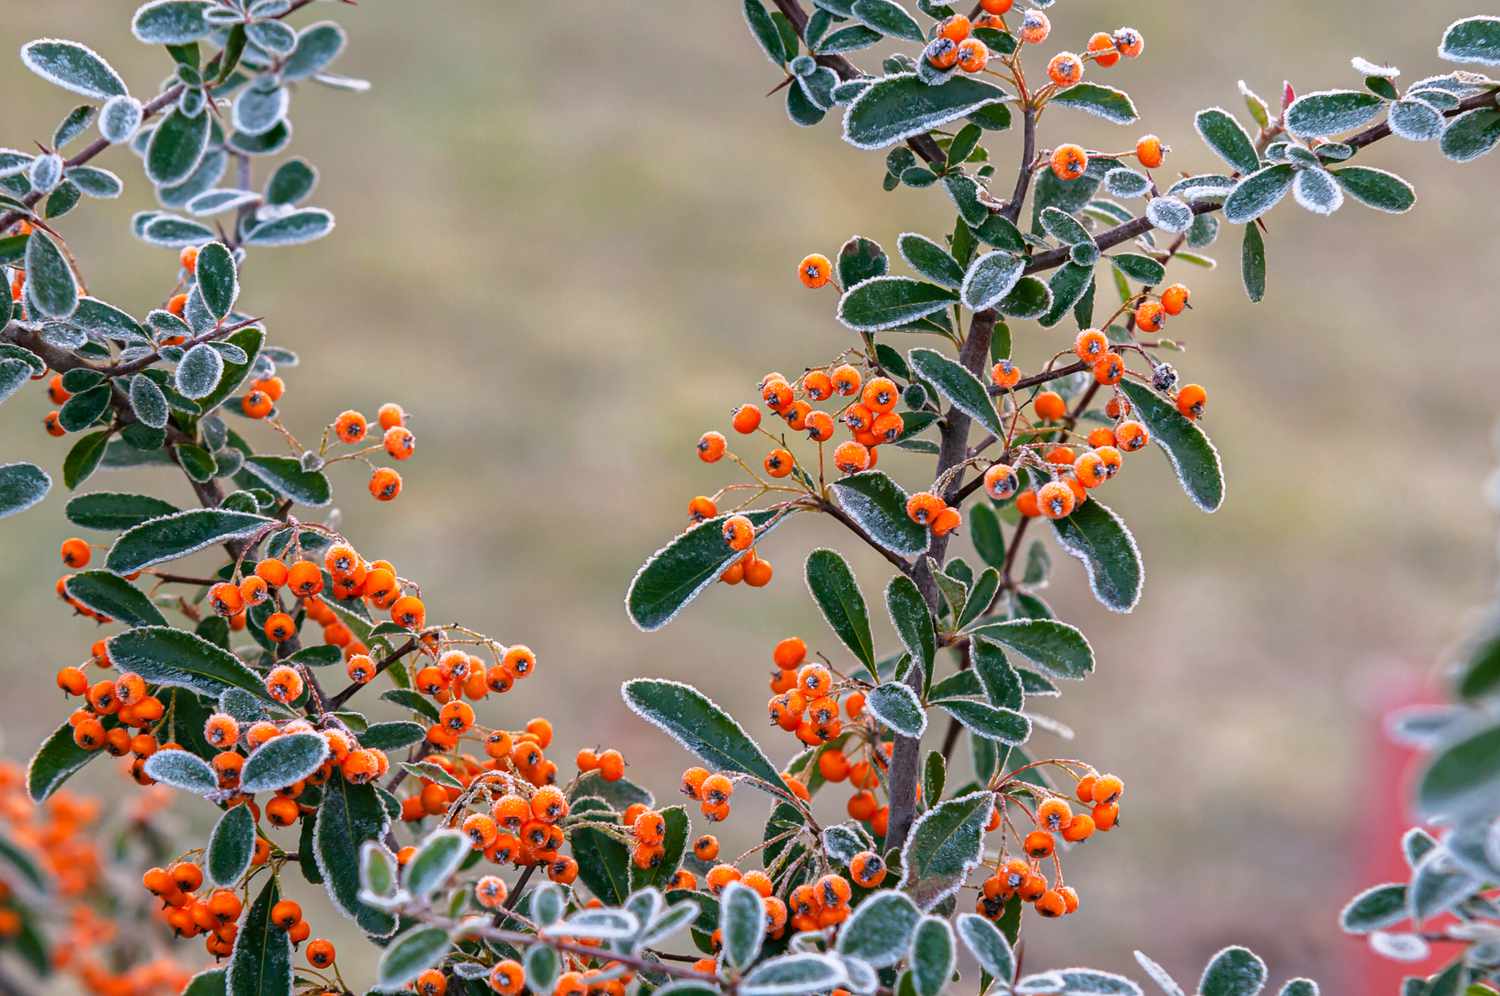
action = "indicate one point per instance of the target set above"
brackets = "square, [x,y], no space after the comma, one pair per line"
[567,247]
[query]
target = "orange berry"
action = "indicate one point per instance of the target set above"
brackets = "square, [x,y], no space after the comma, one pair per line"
[56,391]
[779,462]
[408,611]
[818,385]
[611,765]
[305,579]
[745,419]
[1105,817]
[947,520]
[739,532]
[1090,345]
[1051,904]
[1129,42]
[815,270]
[1191,399]
[188,259]
[973,55]
[273,387]
[385,484]
[1069,161]
[177,304]
[789,653]
[1065,69]
[350,427]
[399,442]
[880,395]
[390,414]
[851,457]
[1107,789]
[867,869]
[256,404]
[711,447]
[72,680]
[286,913]
[1090,471]
[721,875]
[254,591]
[1001,481]
[1150,151]
[1055,499]
[226,598]
[1175,298]
[1005,374]
[1132,436]
[1102,48]
[1150,316]
[758,573]
[996,6]
[273,572]
[1109,369]
[846,380]
[320,953]
[924,507]
[1080,828]
[1035,27]
[221,730]
[279,627]
[942,53]
[1050,405]
[75,552]
[284,684]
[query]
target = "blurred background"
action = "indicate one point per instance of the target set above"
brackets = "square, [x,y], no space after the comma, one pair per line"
[569,251]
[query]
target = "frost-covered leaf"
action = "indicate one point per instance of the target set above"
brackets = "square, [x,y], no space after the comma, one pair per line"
[1253,263]
[303,225]
[176,147]
[1056,647]
[260,107]
[889,18]
[177,535]
[1316,190]
[199,370]
[996,723]
[231,846]
[282,761]
[50,286]
[95,182]
[957,386]
[182,770]
[838,596]
[912,620]
[930,260]
[1142,269]
[1192,455]
[348,816]
[1299,987]
[55,761]
[880,930]
[171,22]
[891,302]
[793,975]
[165,655]
[742,921]
[317,45]
[1234,971]
[878,504]
[681,570]
[897,708]
[1330,112]
[218,281]
[1158,975]
[22,485]
[897,107]
[932,955]
[1169,214]
[764,30]
[694,721]
[1437,885]
[1415,121]
[1472,39]
[111,595]
[411,954]
[1223,134]
[261,962]
[989,278]
[438,856]
[1258,193]
[288,479]
[1377,907]
[943,847]
[1126,182]
[988,946]
[1471,135]
[1097,99]
[72,66]
[1463,778]
[120,118]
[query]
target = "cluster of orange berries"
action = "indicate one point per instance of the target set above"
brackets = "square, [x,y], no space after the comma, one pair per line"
[111,709]
[806,697]
[352,577]
[1055,818]
[519,829]
[57,834]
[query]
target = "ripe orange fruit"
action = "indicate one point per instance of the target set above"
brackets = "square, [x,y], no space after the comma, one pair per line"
[711,447]
[815,270]
[1150,151]
[1065,69]
[1191,399]
[1102,48]
[1069,161]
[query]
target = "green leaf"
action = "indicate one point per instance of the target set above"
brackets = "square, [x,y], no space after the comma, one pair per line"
[218,281]
[1002,725]
[1471,135]
[176,147]
[793,975]
[1099,100]
[55,762]
[282,761]
[859,260]
[230,847]
[114,509]
[156,541]
[83,410]
[391,735]
[262,959]
[411,954]
[348,816]
[1142,269]
[675,842]
[943,847]
[438,857]
[1055,647]
[84,457]
[167,656]
[897,107]
[1000,682]
[1223,134]
[49,279]
[1258,193]
[888,18]
[897,707]
[72,66]
[913,621]
[837,593]
[1329,112]
[1067,284]
[694,721]
[988,946]
[209,982]
[880,929]
[930,260]
[1463,778]
[1098,537]
[1233,971]
[170,22]
[413,701]
[1253,263]
[603,861]
[113,596]
[985,531]
[1029,299]
[934,775]
[1192,455]
[285,477]
[990,278]
[742,913]
[681,570]
[148,402]
[305,225]
[891,302]
[764,30]
[1376,188]
[1472,39]
[21,486]
[932,956]
[1377,907]
[878,504]
[959,387]
[182,770]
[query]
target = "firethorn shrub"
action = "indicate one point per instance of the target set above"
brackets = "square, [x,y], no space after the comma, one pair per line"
[450,837]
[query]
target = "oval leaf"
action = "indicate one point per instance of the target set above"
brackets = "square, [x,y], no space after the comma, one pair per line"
[72,66]
[1055,647]
[22,485]
[694,721]
[891,302]
[283,760]
[261,962]
[878,504]
[411,954]
[1098,537]
[164,655]
[172,536]
[182,770]
[959,387]
[113,596]
[900,106]
[681,570]
[837,593]
[1192,455]
[898,708]
[231,847]
[943,847]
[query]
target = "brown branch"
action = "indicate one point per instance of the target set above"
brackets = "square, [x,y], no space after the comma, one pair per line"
[385,662]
